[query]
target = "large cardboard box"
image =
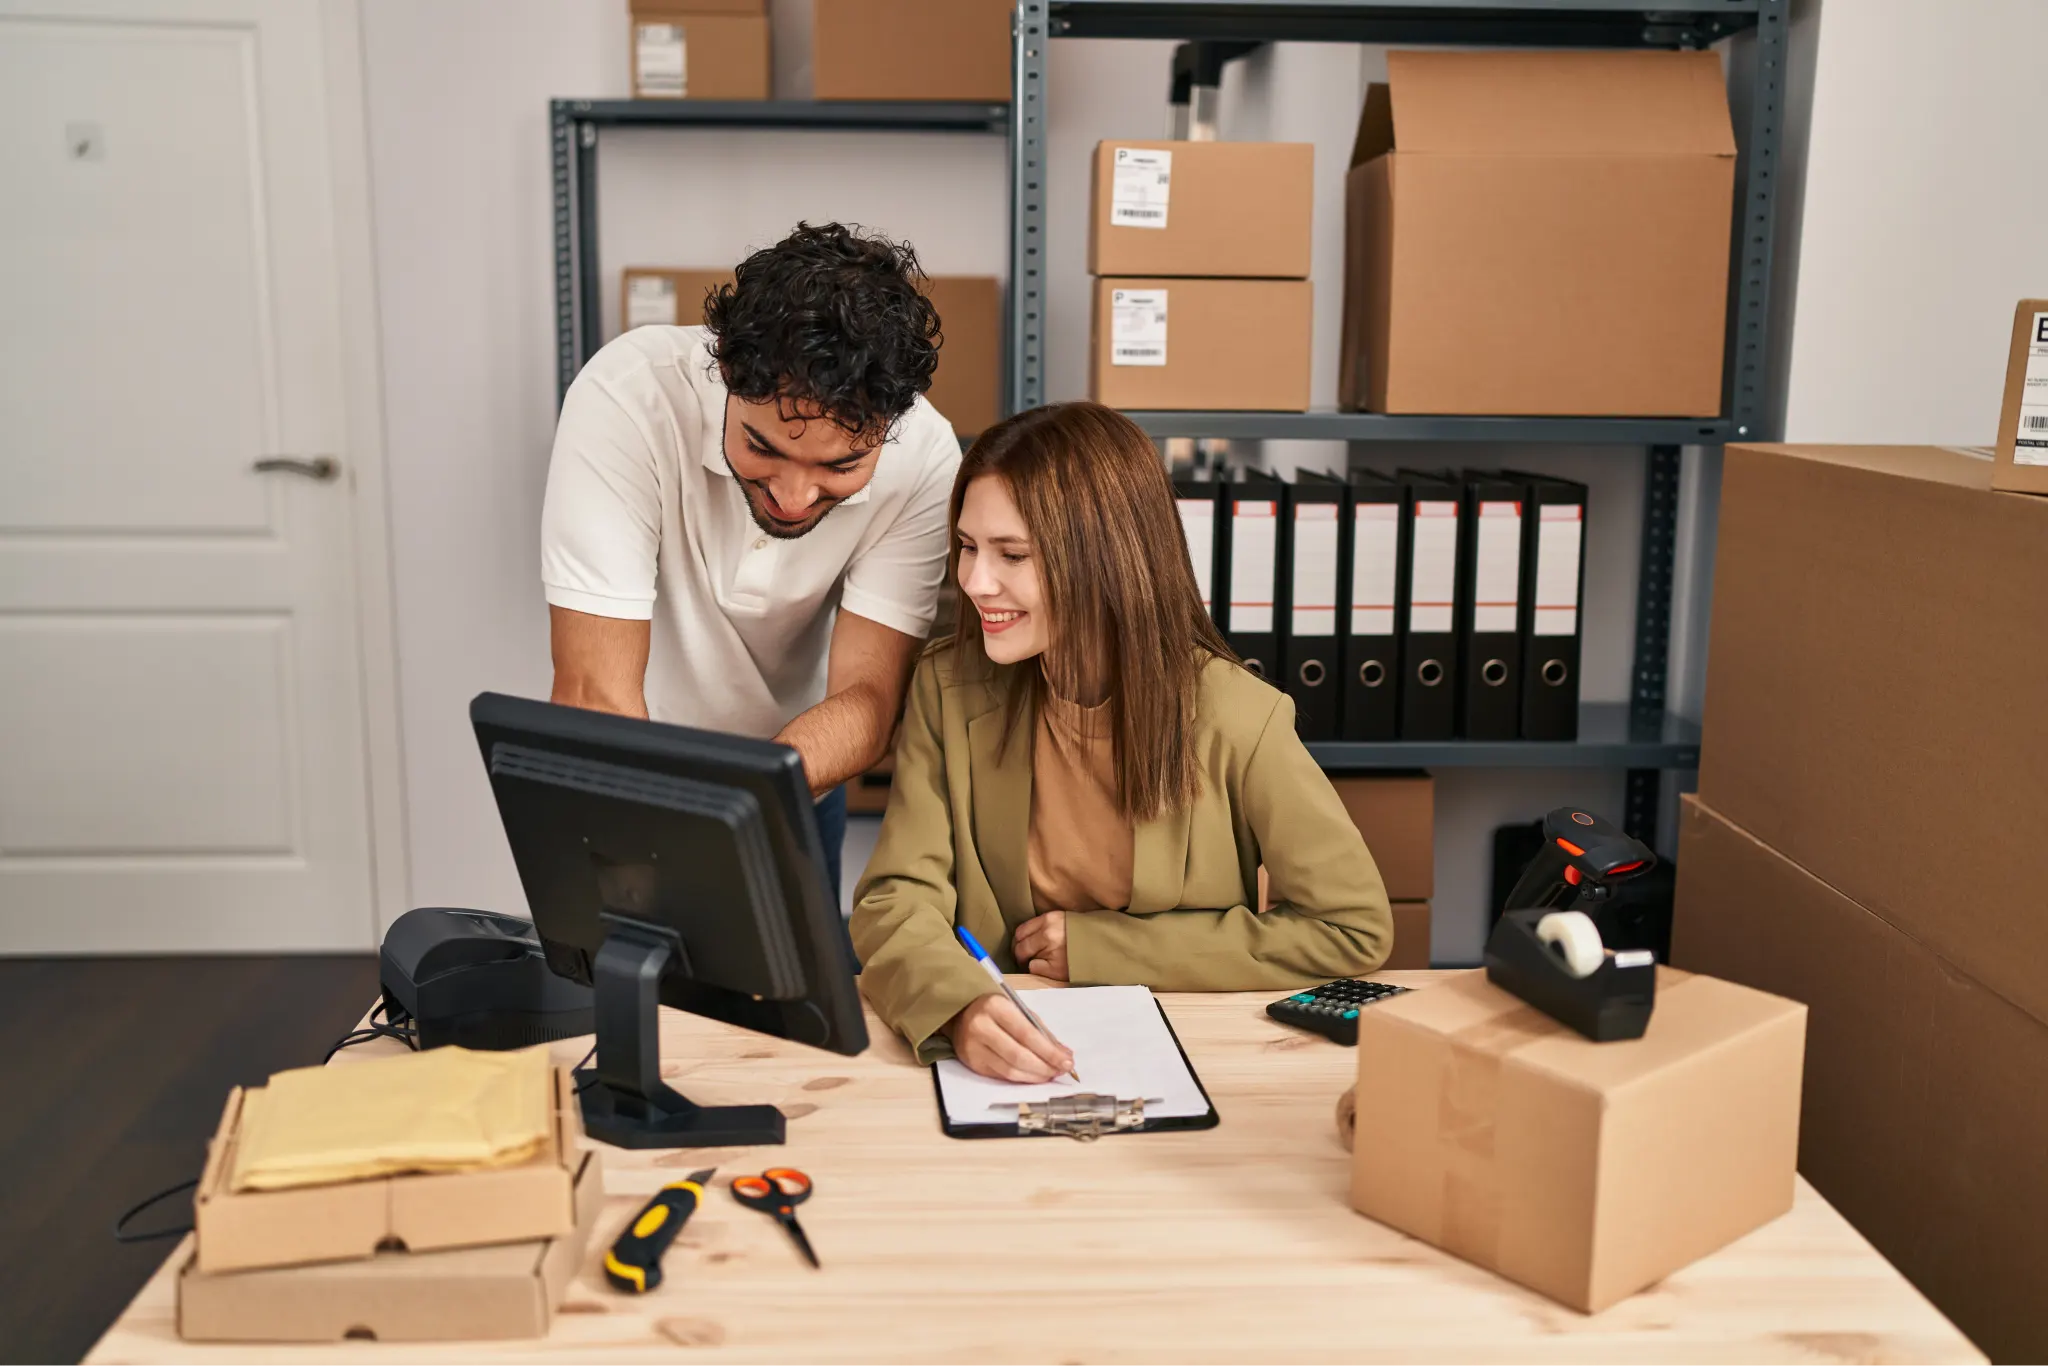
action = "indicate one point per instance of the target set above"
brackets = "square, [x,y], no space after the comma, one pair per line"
[654,296]
[1873,697]
[1214,345]
[509,1290]
[1583,1170]
[967,388]
[911,50]
[1397,815]
[2023,424]
[419,1211]
[1539,233]
[1924,1110]
[685,52]
[1242,209]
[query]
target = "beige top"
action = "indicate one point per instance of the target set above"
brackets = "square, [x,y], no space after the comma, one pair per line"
[1079,853]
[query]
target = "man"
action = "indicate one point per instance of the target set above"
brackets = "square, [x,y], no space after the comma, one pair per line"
[745,526]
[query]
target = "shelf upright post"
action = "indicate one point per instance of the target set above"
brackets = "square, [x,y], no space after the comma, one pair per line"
[1649,678]
[1026,351]
[559,136]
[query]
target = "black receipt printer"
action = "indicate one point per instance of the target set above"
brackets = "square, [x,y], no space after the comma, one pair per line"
[478,980]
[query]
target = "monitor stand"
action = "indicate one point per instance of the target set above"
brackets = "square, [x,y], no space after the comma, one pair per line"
[625,1101]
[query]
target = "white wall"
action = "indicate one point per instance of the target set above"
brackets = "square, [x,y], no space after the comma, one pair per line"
[1925,218]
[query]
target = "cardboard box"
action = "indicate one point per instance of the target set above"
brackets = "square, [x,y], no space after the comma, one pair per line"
[2023,424]
[1546,233]
[685,53]
[1923,1112]
[1411,937]
[638,7]
[1874,667]
[911,50]
[1201,344]
[1397,815]
[967,388]
[650,296]
[418,1212]
[1242,209]
[1583,1170]
[510,1290]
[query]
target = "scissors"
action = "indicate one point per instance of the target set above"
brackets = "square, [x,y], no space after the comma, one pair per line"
[777,1192]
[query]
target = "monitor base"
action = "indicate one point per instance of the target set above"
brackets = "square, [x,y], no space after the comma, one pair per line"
[669,1120]
[625,1101]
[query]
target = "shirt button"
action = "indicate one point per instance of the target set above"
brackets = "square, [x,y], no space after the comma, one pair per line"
[760,543]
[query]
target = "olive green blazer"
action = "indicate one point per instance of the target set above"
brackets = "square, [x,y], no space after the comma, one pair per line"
[953,851]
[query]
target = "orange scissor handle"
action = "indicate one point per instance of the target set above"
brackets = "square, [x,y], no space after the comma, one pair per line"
[777,1187]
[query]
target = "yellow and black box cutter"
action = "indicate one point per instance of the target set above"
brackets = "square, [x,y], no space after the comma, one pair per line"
[634,1262]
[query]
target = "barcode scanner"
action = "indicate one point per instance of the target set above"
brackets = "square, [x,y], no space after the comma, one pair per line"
[1582,859]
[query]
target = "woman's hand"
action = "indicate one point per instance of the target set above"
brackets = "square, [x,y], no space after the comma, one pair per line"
[1041,945]
[992,1037]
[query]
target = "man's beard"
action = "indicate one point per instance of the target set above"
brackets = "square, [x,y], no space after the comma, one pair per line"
[781,531]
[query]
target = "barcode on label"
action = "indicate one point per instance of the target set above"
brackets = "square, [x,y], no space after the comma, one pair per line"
[2036,424]
[1144,213]
[1139,355]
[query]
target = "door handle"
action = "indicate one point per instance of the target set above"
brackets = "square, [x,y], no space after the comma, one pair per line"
[324,468]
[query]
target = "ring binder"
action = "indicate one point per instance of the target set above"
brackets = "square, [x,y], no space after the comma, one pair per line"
[1429,645]
[1312,542]
[1371,549]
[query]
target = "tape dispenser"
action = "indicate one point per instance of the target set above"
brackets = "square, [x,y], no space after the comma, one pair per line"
[1547,949]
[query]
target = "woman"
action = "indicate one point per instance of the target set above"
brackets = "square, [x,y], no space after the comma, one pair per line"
[1086,778]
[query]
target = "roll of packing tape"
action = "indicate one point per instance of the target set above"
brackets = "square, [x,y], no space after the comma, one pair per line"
[1347,1118]
[1573,937]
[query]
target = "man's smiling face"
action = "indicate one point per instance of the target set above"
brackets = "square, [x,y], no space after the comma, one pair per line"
[793,469]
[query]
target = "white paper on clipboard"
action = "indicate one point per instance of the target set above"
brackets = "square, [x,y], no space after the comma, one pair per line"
[1120,1043]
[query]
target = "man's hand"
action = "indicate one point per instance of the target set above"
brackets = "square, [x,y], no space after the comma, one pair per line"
[600,662]
[1041,945]
[992,1037]
[866,675]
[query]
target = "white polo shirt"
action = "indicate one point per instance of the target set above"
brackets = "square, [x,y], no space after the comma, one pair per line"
[645,522]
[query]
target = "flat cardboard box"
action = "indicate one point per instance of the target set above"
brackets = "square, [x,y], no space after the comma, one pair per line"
[1874,669]
[1583,1170]
[509,1290]
[2023,423]
[698,6]
[418,1212]
[911,50]
[1397,815]
[724,55]
[1923,1110]
[652,296]
[1243,209]
[1539,233]
[1227,345]
[967,388]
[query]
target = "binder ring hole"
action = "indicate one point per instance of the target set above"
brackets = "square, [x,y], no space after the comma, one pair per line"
[1493,672]
[1258,669]
[1429,673]
[1312,673]
[1372,673]
[1555,673]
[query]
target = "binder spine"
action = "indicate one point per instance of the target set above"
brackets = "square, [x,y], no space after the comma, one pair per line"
[1557,568]
[1252,626]
[1308,641]
[1197,502]
[1429,686]
[1489,624]
[1371,643]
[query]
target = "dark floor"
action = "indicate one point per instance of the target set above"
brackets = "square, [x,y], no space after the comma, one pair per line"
[112,1076]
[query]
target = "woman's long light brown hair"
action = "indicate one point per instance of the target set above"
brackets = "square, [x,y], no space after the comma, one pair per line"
[1120,597]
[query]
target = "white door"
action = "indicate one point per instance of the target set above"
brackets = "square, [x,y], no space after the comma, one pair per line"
[181,728]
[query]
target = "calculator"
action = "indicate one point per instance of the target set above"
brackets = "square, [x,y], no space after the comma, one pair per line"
[1332,1008]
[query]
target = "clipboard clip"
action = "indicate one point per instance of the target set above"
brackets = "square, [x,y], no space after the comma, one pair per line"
[1085,1116]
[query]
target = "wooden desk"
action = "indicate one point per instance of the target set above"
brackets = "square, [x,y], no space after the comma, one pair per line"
[1231,1244]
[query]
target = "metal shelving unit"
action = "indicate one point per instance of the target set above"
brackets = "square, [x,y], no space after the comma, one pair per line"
[574,126]
[1638,735]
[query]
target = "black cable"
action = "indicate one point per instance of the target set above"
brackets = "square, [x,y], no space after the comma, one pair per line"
[590,1080]
[153,1234]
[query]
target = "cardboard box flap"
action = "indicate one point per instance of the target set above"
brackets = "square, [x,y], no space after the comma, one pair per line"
[1375,126]
[1575,103]
[1934,464]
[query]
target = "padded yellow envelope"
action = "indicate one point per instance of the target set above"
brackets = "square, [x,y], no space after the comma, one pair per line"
[446,1109]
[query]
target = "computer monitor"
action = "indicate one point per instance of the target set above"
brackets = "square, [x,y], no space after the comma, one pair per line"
[677,867]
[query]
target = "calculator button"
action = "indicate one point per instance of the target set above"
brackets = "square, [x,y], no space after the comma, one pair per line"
[1351,1014]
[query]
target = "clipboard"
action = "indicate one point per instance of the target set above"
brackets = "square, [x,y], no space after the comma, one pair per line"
[1085,1114]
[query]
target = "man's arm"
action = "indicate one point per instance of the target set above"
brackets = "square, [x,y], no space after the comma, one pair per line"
[600,662]
[865,677]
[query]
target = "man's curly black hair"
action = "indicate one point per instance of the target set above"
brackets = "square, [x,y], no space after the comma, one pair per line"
[828,319]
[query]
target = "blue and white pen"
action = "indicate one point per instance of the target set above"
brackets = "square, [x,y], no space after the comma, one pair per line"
[988,965]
